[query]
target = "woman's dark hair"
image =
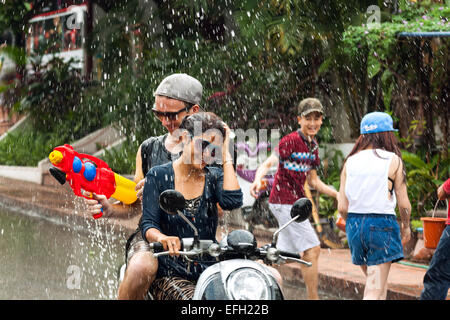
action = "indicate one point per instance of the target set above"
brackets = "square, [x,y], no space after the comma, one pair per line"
[207,120]
[381,140]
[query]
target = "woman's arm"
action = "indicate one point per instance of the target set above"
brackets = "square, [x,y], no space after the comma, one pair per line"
[170,243]
[228,199]
[342,198]
[151,217]
[228,192]
[230,181]
[151,213]
[401,192]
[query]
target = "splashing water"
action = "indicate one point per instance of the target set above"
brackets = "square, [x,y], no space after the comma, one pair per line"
[53,257]
[436,204]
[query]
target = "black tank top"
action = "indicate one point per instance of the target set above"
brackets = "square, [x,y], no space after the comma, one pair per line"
[154,153]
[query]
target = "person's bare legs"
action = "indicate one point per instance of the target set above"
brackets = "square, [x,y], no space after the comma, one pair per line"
[364,269]
[311,274]
[140,273]
[376,281]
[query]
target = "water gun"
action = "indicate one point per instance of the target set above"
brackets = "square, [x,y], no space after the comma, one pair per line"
[91,174]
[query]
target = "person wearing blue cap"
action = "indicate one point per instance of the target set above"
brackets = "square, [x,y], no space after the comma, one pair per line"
[373,183]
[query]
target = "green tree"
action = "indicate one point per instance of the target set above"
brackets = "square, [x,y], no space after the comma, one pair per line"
[13,14]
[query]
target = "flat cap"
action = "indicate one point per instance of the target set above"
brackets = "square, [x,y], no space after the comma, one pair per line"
[181,86]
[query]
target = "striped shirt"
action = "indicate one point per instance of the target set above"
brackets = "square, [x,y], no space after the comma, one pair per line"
[297,157]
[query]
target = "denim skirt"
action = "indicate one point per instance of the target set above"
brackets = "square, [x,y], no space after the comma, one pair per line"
[373,238]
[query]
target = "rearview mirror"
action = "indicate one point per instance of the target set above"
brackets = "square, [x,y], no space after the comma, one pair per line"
[301,209]
[242,241]
[171,201]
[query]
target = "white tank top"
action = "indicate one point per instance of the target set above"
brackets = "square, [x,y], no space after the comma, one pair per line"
[366,185]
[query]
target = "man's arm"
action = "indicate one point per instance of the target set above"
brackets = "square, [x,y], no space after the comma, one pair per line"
[110,210]
[261,172]
[315,182]
[138,175]
[139,178]
[444,190]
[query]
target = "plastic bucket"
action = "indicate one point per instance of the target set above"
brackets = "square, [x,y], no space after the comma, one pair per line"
[432,231]
[340,223]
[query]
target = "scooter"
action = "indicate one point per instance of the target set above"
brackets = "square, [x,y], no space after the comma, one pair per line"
[236,275]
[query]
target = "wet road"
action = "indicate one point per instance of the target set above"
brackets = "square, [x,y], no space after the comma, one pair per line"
[48,258]
[45,258]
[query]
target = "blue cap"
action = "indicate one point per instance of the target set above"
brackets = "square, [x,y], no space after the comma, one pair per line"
[376,122]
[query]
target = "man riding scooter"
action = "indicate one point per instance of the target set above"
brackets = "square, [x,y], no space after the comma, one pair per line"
[176,97]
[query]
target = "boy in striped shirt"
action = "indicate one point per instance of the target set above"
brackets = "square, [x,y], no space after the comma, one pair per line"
[297,156]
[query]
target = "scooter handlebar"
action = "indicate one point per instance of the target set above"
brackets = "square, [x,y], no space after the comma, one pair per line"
[188,245]
[293,257]
[287,256]
[290,254]
[274,255]
[156,246]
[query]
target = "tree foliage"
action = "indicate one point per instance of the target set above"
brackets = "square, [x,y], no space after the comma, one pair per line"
[256,61]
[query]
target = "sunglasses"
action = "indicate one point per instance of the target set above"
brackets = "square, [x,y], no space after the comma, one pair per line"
[170,115]
[203,145]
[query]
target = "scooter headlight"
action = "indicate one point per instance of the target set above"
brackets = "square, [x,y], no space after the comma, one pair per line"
[247,284]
